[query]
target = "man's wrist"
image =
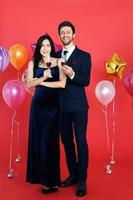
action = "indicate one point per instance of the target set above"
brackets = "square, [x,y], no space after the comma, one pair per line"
[71,77]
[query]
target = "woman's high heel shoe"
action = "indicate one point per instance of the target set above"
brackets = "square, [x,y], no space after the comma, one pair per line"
[45,190]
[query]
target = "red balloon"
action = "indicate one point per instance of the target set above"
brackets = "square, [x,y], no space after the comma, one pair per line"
[128,82]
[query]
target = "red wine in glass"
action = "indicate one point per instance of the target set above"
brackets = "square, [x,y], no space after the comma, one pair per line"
[48,64]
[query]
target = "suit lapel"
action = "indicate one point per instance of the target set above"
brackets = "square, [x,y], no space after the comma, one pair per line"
[73,59]
[73,56]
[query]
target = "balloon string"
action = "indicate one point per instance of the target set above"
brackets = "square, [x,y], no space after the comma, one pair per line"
[106,123]
[18,135]
[113,139]
[18,75]
[14,121]
[11,140]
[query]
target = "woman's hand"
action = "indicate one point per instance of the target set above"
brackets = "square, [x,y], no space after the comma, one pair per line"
[47,74]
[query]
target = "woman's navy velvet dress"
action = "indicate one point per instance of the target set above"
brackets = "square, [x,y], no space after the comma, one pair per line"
[43,148]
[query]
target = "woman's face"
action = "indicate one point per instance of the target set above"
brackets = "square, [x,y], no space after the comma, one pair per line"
[46,48]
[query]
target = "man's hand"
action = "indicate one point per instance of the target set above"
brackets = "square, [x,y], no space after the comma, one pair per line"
[61,61]
[68,70]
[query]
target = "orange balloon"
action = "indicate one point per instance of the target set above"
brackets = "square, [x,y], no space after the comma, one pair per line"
[18,56]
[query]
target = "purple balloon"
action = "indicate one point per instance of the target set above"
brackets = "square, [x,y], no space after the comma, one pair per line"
[4,59]
[57,47]
[128,81]
[105,91]
[13,93]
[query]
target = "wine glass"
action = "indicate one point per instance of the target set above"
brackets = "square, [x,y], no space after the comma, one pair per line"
[48,64]
[63,63]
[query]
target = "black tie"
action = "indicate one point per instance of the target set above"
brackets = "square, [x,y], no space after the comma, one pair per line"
[65,55]
[65,52]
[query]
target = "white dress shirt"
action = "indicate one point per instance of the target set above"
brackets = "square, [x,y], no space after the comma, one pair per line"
[70,50]
[67,55]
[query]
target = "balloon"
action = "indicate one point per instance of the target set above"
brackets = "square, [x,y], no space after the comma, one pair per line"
[33,46]
[4,59]
[18,56]
[13,93]
[115,66]
[58,47]
[105,91]
[24,80]
[128,81]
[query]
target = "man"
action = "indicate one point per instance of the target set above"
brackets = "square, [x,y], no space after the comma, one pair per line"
[74,108]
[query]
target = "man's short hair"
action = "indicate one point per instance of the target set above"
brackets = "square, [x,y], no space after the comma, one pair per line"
[66,23]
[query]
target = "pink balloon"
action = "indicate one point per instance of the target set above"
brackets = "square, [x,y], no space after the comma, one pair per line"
[24,80]
[33,46]
[13,93]
[58,47]
[105,91]
[128,82]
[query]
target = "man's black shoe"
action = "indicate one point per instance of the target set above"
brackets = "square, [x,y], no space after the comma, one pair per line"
[71,180]
[81,189]
[45,190]
[54,189]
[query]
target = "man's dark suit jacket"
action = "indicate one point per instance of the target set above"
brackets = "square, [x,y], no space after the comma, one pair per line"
[73,97]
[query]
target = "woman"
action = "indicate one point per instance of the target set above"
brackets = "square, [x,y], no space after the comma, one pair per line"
[45,73]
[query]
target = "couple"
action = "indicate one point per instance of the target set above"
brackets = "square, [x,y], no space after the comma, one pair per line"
[59,104]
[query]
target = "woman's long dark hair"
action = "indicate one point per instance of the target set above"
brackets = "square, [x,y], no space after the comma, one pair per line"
[37,57]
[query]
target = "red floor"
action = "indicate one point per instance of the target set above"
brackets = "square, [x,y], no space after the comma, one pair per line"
[118,185]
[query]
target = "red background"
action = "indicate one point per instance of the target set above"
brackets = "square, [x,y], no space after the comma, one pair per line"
[103,27]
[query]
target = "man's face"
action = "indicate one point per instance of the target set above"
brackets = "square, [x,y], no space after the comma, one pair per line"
[66,35]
